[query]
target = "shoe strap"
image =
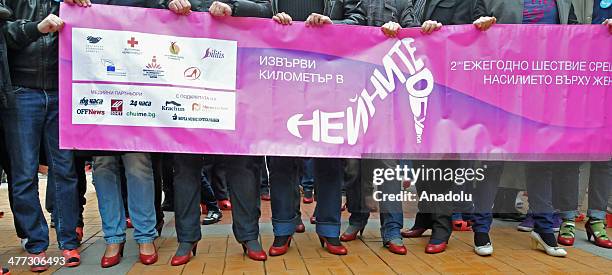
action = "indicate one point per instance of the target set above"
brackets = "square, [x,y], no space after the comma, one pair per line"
[599,229]
[568,229]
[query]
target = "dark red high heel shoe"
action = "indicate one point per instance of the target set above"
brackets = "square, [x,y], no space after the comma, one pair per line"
[203,209]
[435,248]
[397,249]
[149,259]
[461,225]
[313,220]
[597,240]
[351,237]
[300,228]
[280,250]
[128,223]
[72,257]
[254,255]
[113,260]
[181,260]
[333,249]
[413,233]
[79,233]
[4,271]
[225,205]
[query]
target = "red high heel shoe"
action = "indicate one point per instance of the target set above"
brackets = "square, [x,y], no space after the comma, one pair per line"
[128,223]
[308,200]
[277,251]
[113,260]
[149,259]
[598,241]
[333,249]
[225,205]
[203,209]
[72,258]
[181,260]
[397,249]
[300,228]
[609,220]
[4,271]
[313,220]
[435,248]
[351,237]
[413,233]
[265,197]
[461,225]
[254,255]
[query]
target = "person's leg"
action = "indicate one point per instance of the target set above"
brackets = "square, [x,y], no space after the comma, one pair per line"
[484,194]
[241,173]
[167,181]
[23,127]
[355,203]
[110,203]
[6,164]
[265,179]
[156,165]
[79,164]
[141,195]
[328,174]
[214,214]
[187,197]
[599,189]
[391,214]
[283,183]
[307,179]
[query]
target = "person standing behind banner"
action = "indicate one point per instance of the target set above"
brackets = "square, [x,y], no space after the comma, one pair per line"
[436,215]
[328,172]
[391,18]
[542,177]
[5,84]
[32,117]
[242,172]
[600,180]
[140,188]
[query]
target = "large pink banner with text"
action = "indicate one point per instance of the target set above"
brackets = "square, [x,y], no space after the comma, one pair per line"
[148,80]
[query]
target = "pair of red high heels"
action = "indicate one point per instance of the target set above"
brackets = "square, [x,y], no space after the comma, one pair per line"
[430,248]
[116,259]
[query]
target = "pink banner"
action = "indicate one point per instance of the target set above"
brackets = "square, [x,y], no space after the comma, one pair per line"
[136,79]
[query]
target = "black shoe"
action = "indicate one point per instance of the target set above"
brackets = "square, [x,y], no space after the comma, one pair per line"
[212,217]
[168,206]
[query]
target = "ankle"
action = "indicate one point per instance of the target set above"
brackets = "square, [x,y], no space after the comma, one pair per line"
[253,245]
[481,238]
[146,248]
[280,240]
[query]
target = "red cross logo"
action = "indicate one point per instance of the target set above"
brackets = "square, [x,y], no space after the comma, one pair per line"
[133,42]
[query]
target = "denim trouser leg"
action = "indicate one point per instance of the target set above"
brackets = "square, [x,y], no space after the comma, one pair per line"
[208,195]
[242,177]
[307,179]
[187,196]
[539,187]
[391,214]
[355,199]
[32,118]
[599,189]
[265,178]
[483,194]
[565,182]
[107,181]
[328,175]
[141,195]
[283,186]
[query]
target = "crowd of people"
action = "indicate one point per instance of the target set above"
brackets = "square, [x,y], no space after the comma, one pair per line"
[129,186]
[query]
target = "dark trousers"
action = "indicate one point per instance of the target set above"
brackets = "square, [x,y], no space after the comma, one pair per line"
[307,177]
[167,162]
[285,194]
[435,214]
[542,179]
[208,195]
[328,177]
[157,161]
[241,174]
[484,193]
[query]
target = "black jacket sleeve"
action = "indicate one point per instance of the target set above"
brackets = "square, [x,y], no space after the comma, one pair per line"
[464,12]
[480,10]
[348,12]
[19,33]
[250,8]
[406,17]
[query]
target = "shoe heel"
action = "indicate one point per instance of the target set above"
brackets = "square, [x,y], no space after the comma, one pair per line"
[534,244]
[322,242]
[361,232]
[244,249]
[195,249]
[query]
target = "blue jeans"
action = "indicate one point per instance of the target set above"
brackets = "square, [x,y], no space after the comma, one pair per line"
[544,179]
[307,179]
[600,185]
[284,194]
[32,120]
[328,176]
[140,195]
[483,194]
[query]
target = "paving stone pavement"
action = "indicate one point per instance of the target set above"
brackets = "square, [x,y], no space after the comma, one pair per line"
[219,253]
